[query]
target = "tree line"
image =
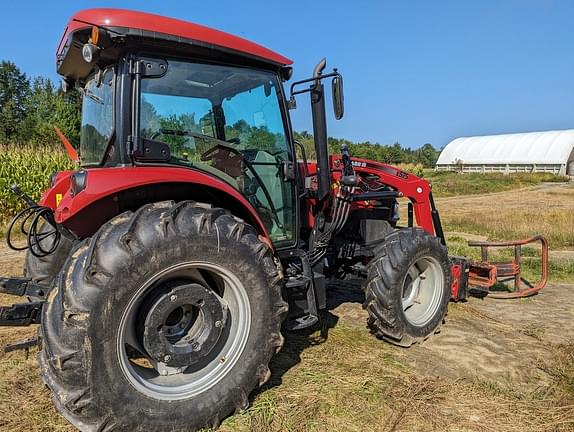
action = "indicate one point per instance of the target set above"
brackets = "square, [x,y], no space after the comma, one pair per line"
[426,155]
[30,108]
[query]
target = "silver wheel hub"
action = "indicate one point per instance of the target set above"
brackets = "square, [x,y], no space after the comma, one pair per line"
[423,289]
[184,330]
[183,324]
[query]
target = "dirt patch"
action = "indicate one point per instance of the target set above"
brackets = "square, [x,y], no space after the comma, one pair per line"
[10,262]
[503,340]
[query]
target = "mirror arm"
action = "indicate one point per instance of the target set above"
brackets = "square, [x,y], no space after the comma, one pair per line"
[314,79]
[292,103]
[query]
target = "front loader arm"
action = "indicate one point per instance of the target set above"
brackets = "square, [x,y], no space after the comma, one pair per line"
[408,185]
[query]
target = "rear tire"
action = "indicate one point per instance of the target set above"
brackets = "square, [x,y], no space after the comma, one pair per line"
[124,272]
[44,269]
[408,287]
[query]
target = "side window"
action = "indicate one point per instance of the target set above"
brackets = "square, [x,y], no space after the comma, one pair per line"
[253,119]
[97,117]
[228,122]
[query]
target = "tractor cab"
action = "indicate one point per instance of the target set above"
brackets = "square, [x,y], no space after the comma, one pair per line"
[209,102]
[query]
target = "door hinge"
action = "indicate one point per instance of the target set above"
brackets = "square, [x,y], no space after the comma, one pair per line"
[288,169]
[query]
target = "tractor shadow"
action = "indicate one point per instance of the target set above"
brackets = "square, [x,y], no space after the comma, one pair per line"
[338,293]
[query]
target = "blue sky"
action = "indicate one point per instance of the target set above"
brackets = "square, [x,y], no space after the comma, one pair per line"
[415,71]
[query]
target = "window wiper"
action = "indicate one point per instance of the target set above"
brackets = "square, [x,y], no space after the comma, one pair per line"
[94,97]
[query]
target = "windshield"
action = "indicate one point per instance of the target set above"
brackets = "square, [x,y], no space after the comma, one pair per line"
[97,117]
[226,121]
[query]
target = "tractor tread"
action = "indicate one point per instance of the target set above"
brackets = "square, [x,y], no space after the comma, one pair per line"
[383,286]
[66,357]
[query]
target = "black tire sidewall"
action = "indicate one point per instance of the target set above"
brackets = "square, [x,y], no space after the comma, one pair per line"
[426,248]
[80,359]
[44,269]
[109,382]
[388,271]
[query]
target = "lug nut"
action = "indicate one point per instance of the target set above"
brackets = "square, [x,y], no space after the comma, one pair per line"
[167,358]
[195,346]
[218,323]
[173,297]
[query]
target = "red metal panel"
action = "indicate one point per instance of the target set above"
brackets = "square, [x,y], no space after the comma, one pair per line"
[102,182]
[170,26]
[456,270]
[59,187]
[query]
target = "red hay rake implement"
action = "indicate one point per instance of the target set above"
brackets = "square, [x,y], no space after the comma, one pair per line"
[493,278]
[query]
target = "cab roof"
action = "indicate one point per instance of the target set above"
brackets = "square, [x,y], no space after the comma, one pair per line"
[163,27]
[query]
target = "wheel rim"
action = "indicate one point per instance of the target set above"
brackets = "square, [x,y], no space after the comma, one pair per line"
[159,379]
[423,289]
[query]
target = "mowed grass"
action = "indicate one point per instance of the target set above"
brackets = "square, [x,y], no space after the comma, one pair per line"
[351,382]
[518,214]
[448,183]
[343,379]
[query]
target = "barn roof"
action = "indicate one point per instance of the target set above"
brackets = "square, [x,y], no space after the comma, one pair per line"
[550,147]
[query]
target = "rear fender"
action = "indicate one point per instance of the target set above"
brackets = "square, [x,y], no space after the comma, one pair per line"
[110,191]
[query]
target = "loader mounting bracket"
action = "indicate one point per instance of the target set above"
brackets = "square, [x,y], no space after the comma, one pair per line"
[21,314]
[20,286]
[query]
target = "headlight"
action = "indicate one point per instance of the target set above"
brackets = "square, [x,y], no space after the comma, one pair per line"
[78,182]
[90,52]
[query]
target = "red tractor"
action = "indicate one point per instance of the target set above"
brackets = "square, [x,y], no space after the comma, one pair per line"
[163,271]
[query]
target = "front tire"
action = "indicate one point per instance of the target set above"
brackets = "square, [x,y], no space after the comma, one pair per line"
[165,320]
[408,287]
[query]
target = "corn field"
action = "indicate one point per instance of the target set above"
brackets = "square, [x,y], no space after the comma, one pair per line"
[30,167]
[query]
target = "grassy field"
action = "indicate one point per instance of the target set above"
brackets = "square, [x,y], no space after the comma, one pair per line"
[447,183]
[349,381]
[520,214]
[480,373]
[31,167]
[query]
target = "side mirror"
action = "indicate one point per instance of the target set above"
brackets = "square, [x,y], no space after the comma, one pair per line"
[338,98]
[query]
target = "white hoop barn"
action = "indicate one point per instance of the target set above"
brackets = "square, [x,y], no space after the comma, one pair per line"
[551,151]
